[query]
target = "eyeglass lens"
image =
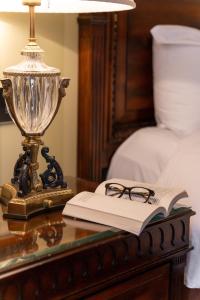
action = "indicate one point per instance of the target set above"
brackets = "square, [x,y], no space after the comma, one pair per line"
[114,189]
[139,193]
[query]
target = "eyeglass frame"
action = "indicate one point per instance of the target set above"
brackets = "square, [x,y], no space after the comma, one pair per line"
[125,188]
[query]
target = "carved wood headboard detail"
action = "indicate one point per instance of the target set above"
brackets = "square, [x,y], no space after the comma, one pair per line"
[115,76]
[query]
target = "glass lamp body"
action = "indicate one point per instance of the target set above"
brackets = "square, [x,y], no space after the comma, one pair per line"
[35,89]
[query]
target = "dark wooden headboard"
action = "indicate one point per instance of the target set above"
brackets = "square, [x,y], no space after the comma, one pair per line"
[115,76]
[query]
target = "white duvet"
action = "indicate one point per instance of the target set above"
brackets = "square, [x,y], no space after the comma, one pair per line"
[143,156]
[158,155]
[183,170]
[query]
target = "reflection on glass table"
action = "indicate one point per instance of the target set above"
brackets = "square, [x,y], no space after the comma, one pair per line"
[46,235]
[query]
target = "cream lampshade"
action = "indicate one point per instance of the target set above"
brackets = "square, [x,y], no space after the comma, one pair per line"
[33,92]
[68,6]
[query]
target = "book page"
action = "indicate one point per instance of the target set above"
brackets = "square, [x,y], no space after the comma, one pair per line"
[165,197]
[168,197]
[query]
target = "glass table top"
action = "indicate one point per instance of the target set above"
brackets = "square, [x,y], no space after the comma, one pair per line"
[23,242]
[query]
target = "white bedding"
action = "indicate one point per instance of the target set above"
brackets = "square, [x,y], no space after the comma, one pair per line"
[144,154]
[183,170]
[158,155]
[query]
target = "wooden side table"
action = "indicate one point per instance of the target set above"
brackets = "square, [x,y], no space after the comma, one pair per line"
[44,258]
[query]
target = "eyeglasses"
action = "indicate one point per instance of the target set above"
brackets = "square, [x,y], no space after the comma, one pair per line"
[134,193]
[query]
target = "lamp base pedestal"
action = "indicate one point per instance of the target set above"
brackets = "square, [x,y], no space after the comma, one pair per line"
[32,204]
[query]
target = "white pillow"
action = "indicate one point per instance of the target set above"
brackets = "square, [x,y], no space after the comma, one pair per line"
[176,69]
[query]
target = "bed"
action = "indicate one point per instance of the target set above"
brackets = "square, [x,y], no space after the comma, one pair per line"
[168,154]
[118,136]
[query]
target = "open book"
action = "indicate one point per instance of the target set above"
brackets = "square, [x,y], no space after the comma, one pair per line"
[124,204]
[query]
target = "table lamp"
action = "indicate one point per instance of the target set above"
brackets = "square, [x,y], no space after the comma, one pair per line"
[33,93]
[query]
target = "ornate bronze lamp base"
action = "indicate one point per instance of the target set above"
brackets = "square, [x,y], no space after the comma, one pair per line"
[27,195]
[33,203]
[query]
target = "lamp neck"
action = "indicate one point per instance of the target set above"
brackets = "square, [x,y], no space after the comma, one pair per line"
[31,4]
[32,37]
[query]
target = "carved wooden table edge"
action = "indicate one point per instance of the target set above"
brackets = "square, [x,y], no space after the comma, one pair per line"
[85,270]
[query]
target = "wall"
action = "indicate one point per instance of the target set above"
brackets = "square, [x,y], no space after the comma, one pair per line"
[58,36]
[71,103]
